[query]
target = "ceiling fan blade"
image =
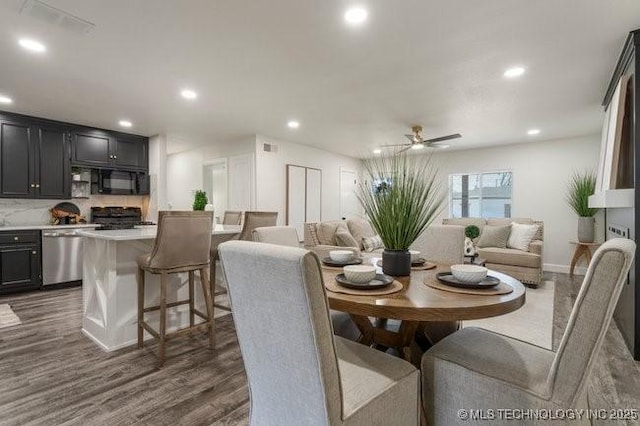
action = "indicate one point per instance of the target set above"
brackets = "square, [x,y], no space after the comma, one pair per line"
[405,149]
[443,138]
[397,144]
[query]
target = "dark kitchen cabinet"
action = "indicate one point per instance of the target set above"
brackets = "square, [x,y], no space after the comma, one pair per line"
[109,150]
[34,159]
[20,261]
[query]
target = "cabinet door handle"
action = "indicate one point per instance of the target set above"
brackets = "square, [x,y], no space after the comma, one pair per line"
[34,252]
[33,185]
[15,238]
[115,156]
[37,185]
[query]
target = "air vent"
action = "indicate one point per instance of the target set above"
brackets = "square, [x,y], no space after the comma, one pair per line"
[268,147]
[54,16]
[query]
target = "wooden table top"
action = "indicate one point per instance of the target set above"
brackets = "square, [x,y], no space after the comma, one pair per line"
[418,302]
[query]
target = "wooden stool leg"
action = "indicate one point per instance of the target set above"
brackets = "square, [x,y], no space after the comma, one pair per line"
[163,318]
[140,277]
[191,313]
[574,260]
[208,299]
[212,276]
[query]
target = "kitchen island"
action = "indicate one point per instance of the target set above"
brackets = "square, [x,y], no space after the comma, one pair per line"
[109,289]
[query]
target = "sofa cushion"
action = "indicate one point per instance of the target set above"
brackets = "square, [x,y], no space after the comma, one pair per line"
[465,221]
[345,239]
[508,256]
[327,231]
[494,236]
[498,221]
[370,244]
[360,229]
[521,236]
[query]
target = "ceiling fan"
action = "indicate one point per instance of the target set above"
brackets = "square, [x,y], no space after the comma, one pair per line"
[418,142]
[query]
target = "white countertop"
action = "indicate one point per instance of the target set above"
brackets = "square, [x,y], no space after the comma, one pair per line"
[148,232]
[42,227]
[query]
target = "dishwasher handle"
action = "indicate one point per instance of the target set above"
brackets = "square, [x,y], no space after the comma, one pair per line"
[61,235]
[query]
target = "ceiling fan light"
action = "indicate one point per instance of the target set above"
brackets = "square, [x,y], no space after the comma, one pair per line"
[417,146]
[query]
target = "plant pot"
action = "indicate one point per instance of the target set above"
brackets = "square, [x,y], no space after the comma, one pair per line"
[586,229]
[396,262]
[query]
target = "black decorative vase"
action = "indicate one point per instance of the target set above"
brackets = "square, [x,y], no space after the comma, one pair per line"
[396,262]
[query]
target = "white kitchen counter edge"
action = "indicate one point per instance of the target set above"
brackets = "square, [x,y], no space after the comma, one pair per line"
[147,232]
[43,227]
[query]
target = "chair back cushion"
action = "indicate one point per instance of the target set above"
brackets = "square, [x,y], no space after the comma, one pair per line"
[183,239]
[441,244]
[253,220]
[282,321]
[232,217]
[590,319]
[280,235]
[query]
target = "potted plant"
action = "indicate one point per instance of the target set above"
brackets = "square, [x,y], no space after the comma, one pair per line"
[401,196]
[200,200]
[471,232]
[580,187]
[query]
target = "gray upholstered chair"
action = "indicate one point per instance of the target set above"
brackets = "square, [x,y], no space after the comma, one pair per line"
[298,372]
[478,369]
[232,217]
[182,245]
[441,244]
[280,235]
[288,236]
[252,220]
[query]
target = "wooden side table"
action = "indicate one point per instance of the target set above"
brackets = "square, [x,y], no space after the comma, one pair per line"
[582,249]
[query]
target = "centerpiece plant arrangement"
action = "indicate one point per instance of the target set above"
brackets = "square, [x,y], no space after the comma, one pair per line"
[582,185]
[200,200]
[471,232]
[401,195]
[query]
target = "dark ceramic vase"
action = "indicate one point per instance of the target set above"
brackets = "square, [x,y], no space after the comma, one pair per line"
[396,262]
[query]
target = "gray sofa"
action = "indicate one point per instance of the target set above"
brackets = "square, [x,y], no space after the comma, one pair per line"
[525,266]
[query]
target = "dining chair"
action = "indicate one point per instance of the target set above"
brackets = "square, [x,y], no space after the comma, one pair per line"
[288,236]
[439,244]
[299,373]
[232,217]
[475,368]
[182,245]
[252,220]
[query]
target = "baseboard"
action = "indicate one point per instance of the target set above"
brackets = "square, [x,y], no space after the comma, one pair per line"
[563,269]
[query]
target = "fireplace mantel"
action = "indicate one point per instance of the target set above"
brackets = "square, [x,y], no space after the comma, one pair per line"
[612,198]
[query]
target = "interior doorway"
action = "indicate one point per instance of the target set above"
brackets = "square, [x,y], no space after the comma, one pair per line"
[214,176]
[349,204]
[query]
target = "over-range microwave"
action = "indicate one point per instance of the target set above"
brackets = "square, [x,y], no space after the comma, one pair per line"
[119,182]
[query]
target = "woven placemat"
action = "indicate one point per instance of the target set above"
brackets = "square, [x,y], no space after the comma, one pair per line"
[334,287]
[502,288]
[425,266]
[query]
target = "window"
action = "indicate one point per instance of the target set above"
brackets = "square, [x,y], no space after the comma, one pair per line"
[480,195]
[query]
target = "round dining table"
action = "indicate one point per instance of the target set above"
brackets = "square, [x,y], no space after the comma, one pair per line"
[417,305]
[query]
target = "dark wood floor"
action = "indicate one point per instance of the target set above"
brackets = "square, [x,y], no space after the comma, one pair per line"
[50,374]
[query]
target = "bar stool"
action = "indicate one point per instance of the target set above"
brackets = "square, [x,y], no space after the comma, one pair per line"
[232,217]
[252,220]
[182,244]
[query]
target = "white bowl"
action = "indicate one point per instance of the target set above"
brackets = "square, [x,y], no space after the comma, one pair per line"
[341,255]
[415,255]
[359,273]
[469,273]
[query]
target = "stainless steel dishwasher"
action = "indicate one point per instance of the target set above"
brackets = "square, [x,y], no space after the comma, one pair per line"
[61,256]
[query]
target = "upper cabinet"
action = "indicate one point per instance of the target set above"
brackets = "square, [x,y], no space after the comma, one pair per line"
[97,148]
[34,159]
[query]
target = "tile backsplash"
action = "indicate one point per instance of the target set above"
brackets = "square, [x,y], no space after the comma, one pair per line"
[16,211]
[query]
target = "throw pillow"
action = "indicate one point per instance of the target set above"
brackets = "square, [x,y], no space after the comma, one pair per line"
[327,232]
[360,228]
[345,239]
[372,243]
[521,236]
[494,236]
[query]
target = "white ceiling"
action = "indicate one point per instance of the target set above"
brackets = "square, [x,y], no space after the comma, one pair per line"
[257,64]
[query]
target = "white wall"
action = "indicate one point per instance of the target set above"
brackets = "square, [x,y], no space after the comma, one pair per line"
[540,173]
[271,175]
[157,175]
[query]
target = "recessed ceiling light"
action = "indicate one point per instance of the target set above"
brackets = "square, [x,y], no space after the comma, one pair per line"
[514,72]
[5,100]
[188,94]
[293,124]
[417,146]
[355,15]
[377,151]
[32,45]
[125,123]
[533,132]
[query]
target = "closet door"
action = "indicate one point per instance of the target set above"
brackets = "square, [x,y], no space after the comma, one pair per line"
[314,195]
[296,197]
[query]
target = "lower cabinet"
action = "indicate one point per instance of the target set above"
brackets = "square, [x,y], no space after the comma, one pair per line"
[20,261]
